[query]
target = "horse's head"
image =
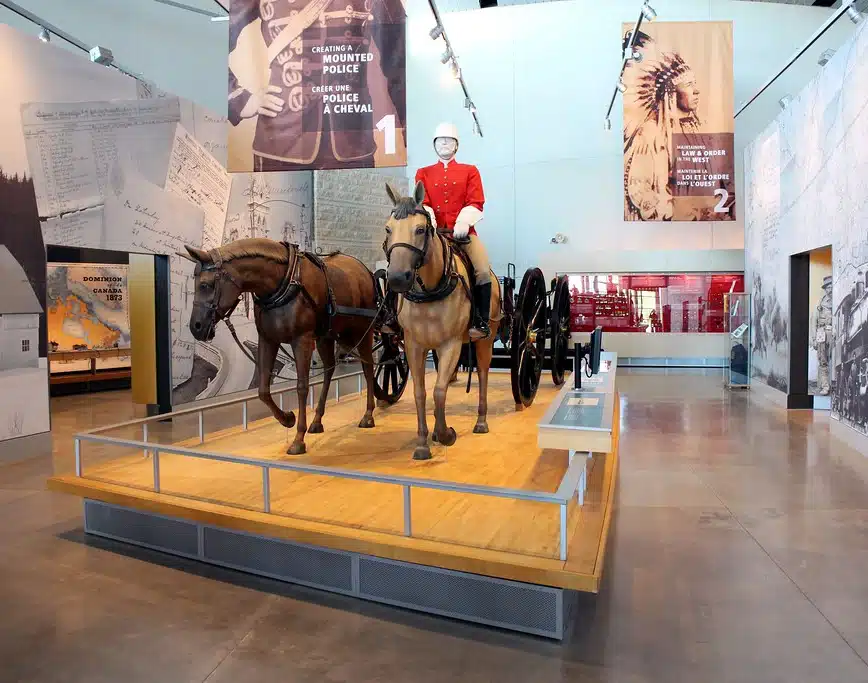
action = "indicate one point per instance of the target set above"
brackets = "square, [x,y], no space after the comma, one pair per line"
[216,293]
[408,233]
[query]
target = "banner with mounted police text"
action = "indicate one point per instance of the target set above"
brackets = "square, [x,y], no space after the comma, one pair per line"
[679,122]
[316,84]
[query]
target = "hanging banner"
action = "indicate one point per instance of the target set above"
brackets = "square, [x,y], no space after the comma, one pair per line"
[679,123]
[316,84]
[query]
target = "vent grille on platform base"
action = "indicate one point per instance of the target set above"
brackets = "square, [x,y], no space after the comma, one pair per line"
[141,528]
[279,559]
[483,599]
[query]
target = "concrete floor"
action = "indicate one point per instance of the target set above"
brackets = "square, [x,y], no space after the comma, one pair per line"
[739,554]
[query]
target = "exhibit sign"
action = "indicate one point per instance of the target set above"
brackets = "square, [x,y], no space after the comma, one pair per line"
[316,84]
[679,123]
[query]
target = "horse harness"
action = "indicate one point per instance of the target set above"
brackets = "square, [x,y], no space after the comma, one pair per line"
[450,278]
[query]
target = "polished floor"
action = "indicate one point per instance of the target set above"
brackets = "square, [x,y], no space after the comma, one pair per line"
[739,553]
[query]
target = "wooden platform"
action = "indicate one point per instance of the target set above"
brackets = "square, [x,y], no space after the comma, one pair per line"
[507,539]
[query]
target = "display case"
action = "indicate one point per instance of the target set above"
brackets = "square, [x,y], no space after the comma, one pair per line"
[736,309]
[651,302]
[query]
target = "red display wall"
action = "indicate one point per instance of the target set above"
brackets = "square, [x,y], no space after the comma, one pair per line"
[653,303]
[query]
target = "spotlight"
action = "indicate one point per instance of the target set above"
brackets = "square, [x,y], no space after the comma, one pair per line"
[436,32]
[607,125]
[101,55]
[446,56]
[854,14]
[455,69]
[785,101]
[648,12]
[825,57]
[44,35]
[621,87]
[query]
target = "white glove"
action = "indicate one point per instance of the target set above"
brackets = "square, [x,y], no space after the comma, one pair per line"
[431,214]
[461,230]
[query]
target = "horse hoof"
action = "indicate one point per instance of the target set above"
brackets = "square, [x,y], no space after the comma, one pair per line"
[448,439]
[316,428]
[481,428]
[297,449]
[519,407]
[422,453]
[367,422]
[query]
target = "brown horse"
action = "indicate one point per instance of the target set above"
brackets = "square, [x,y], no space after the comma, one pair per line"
[293,293]
[434,311]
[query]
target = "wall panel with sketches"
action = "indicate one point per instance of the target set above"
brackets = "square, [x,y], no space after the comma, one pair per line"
[100,162]
[805,178]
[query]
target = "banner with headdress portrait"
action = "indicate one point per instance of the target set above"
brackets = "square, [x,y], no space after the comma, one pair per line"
[679,123]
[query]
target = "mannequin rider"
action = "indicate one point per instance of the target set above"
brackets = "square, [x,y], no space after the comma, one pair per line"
[454,199]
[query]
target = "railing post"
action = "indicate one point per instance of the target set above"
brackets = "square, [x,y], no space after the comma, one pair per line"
[563,532]
[77,457]
[266,490]
[145,436]
[408,513]
[338,390]
[280,400]
[201,427]
[359,377]
[156,471]
[244,415]
[310,392]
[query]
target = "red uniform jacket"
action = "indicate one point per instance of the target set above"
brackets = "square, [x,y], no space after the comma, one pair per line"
[449,188]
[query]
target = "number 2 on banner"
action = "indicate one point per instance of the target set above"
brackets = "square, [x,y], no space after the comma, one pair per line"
[724,196]
[387,125]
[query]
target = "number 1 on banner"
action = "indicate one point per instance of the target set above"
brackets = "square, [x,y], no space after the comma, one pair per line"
[387,125]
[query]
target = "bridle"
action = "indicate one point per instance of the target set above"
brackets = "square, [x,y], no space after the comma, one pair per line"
[448,280]
[212,307]
[418,252]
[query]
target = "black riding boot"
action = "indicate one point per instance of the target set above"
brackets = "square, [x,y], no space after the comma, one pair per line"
[482,304]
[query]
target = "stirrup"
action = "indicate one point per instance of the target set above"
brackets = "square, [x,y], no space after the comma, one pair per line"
[480,331]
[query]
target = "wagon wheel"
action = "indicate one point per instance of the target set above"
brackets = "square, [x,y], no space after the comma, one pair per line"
[560,329]
[391,367]
[528,337]
[507,305]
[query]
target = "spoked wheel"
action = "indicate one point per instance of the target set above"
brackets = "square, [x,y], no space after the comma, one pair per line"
[391,368]
[528,337]
[507,305]
[560,329]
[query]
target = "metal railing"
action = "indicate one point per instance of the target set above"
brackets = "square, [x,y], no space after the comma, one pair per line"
[567,489]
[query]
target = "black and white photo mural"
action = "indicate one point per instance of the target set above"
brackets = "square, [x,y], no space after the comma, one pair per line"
[806,179]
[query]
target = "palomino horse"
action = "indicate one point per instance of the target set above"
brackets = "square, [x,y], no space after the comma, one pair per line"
[296,296]
[434,311]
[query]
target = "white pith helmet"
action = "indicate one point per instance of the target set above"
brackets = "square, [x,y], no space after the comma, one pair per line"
[446,130]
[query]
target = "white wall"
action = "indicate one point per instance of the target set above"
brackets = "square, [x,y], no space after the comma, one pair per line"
[541,76]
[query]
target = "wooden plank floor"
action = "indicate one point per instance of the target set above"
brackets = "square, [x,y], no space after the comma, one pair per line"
[506,457]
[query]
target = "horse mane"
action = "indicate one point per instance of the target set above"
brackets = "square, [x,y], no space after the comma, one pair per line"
[405,207]
[255,247]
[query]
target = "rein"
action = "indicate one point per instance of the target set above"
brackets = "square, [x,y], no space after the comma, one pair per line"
[448,280]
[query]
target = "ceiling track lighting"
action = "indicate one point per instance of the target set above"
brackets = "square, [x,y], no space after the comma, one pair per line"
[785,101]
[855,15]
[45,35]
[648,12]
[449,59]
[629,53]
[826,57]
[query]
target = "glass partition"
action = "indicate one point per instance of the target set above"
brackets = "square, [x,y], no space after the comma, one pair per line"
[651,302]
